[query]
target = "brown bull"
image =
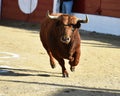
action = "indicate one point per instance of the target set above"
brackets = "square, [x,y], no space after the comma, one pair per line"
[60,37]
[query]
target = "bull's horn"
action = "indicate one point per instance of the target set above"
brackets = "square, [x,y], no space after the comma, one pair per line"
[84,21]
[51,16]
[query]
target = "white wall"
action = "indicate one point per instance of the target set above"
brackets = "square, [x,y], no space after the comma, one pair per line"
[101,24]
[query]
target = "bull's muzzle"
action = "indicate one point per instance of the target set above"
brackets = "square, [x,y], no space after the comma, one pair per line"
[65,39]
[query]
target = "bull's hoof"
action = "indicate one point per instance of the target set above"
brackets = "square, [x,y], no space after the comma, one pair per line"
[53,66]
[72,68]
[52,63]
[65,74]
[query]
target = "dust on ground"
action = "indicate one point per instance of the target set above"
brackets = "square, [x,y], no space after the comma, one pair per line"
[30,74]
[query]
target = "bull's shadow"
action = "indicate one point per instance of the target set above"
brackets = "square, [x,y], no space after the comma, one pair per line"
[26,72]
[108,41]
[71,90]
[85,92]
[33,27]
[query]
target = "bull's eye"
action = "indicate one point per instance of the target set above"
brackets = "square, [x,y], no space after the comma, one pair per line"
[73,29]
[68,25]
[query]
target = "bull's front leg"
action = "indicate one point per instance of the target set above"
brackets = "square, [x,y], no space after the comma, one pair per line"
[71,57]
[52,62]
[71,52]
[75,62]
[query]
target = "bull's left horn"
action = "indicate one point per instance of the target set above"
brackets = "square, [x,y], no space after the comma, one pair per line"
[84,21]
[51,16]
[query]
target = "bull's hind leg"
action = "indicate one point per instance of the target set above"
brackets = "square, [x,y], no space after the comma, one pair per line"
[52,62]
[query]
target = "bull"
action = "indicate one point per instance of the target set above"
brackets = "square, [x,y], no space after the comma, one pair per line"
[60,37]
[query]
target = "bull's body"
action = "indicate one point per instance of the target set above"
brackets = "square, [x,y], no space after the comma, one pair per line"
[50,34]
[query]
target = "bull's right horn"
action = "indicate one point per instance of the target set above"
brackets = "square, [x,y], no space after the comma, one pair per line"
[84,21]
[51,16]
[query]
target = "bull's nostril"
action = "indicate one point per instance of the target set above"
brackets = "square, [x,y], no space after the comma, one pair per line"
[65,38]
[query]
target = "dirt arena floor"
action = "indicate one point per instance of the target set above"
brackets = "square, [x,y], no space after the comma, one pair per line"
[25,68]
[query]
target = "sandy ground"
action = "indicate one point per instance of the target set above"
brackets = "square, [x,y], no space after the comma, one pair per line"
[25,70]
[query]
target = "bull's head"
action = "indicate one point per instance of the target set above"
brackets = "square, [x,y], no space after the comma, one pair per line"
[68,24]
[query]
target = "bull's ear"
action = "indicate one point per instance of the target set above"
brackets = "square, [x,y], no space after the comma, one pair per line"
[77,25]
